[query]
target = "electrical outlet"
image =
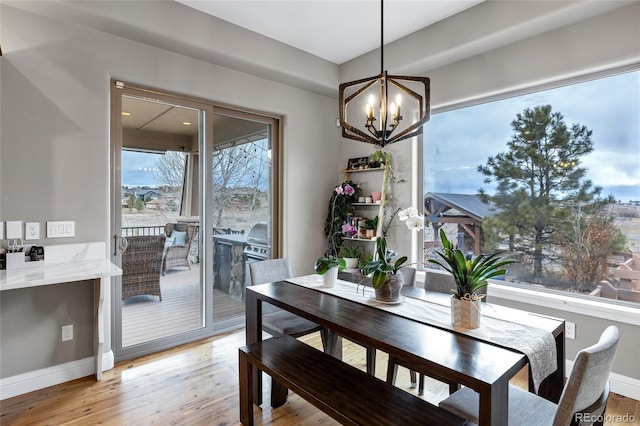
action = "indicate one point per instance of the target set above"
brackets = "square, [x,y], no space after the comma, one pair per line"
[67,332]
[570,330]
[32,231]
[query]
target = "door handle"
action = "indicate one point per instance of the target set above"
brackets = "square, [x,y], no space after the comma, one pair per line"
[121,244]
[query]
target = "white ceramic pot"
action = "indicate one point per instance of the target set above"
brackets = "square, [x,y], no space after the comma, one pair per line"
[330,277]
[352,262]
[465,313]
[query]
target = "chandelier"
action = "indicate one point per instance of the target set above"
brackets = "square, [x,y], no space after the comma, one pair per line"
[386,88]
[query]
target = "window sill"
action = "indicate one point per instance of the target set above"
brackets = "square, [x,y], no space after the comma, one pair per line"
[593,308]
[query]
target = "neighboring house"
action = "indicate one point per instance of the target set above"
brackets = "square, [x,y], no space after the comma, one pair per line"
[148,194]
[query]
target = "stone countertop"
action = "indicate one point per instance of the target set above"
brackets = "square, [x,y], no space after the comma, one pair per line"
[56,273]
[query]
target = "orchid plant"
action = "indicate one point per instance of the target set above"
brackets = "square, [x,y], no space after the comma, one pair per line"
[384,263]
[339,204]
[342,196]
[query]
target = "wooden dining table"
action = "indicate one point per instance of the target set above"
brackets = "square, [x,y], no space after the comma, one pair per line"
[480,365]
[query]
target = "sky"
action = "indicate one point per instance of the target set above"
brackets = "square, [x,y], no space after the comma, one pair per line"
[137,168]
[459,141]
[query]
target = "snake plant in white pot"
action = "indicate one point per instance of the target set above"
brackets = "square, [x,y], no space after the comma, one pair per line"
[469,275]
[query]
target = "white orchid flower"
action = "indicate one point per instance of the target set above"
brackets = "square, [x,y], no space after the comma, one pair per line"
[409,212]
[415,223]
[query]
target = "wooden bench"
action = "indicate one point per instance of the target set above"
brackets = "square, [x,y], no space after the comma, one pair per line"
[344,392]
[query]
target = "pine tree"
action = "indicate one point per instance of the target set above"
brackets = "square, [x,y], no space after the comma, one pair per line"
[539,178]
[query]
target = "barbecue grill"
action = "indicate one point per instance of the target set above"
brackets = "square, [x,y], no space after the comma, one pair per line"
[258,247]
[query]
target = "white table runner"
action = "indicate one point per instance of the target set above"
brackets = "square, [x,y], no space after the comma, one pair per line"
[537,344]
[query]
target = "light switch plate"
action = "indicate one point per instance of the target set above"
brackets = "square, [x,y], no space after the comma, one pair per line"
[32,231]
[1,230]
[14,229]
[61,229]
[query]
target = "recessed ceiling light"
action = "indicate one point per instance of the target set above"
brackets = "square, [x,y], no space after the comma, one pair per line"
[186,123]
[125,113]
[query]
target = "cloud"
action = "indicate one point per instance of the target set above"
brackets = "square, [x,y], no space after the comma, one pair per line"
[458,141]
[137,168]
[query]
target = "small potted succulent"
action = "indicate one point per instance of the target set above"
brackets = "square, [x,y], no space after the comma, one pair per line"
[351,255]
[370,226]
[470,275]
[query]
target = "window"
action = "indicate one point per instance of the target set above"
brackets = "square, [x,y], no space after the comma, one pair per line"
[241,183]
[152,190]
[551,177]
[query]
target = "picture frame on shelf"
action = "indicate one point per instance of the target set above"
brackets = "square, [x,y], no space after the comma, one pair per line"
[358,163]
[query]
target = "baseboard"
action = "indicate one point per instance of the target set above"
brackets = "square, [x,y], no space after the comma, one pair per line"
[622,385]
[39,379]
[50,376]
[108,361]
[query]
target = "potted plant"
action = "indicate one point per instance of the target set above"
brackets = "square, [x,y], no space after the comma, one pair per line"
[378,159]
[384,268]
[470,275]
[339,209]
[328,267]
[351,256]
[370,226]
[366,258]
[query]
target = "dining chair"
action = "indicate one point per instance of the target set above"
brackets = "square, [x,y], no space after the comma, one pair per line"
[277,321]
[585,389]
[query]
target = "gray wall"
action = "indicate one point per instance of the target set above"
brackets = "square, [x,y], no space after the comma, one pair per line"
[55,153]
[31,325]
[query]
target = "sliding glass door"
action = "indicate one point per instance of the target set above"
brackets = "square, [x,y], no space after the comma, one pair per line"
[161,299]
[241,209]
[193,185]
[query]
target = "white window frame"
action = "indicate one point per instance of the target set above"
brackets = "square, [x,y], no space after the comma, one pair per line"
[581,304]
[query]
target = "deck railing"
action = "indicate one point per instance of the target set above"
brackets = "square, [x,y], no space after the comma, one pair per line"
[133,231]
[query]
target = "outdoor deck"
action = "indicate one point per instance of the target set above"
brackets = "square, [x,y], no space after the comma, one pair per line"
[146,318]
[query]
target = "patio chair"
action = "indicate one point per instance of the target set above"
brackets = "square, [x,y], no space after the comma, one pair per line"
[585,391]
[141,265]
[179,238]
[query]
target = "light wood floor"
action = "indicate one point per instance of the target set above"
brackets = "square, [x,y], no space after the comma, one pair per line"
[195,384]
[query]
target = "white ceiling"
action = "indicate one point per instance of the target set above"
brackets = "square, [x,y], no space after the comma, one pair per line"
[335,30]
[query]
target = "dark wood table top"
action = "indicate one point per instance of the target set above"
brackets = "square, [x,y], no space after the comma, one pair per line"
[482,366]
[464,359]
